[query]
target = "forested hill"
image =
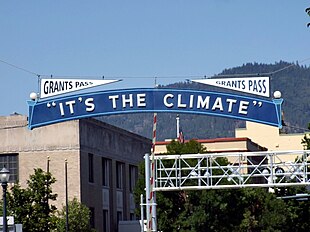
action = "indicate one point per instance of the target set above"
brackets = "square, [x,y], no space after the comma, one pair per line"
[293,80]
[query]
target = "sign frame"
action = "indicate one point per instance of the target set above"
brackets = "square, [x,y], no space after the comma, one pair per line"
[149,100]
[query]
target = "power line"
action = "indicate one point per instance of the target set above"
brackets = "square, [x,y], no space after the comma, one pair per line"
[298,128]
[20,68]
[156,76]
[262,74]
[121,77]
[281,69]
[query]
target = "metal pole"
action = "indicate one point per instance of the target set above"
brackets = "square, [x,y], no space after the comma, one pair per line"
[4,186]
[48,165]
[67,205]
[147,189]
[142,213]
[154,215]
[199,173]
[47,185]
[178,126]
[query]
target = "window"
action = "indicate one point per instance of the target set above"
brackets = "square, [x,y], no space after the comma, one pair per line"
[119,175]
[105,220]
[133,176]
[119,216]
[106,172]
[91,168]
[10,162]
[92,217]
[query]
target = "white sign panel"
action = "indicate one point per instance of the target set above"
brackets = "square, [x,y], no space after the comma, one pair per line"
[53,87]
[253,85]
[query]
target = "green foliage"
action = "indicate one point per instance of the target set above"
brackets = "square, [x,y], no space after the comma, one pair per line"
[78,215]
[191,147]
[262,211]
[306,140]
[32,206]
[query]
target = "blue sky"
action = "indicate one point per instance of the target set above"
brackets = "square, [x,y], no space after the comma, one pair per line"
[138,40]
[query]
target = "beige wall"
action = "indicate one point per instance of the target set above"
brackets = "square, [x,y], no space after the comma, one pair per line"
[59,142]
[223,145]
[15,136]
[219,145]
[270,137]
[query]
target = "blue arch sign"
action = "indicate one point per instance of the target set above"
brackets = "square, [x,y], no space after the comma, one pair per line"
[45,112]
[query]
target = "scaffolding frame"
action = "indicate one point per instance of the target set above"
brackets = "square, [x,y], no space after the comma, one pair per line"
[210,171]
[245,169]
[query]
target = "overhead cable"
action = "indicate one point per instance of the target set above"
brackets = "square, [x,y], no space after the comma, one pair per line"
[152,77]
[20,68]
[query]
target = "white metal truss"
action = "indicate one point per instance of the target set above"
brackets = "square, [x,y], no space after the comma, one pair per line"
[245,169]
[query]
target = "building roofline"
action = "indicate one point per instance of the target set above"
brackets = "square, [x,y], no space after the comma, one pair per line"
[112,127]
[218,140]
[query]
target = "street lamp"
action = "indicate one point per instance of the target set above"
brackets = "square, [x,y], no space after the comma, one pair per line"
[4,178]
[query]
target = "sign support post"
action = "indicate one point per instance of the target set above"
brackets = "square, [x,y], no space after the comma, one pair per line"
[147,190]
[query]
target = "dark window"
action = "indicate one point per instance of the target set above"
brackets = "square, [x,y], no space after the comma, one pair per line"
[119,216]
[92,217]
[10,162]
[119,175]
[91,168]
[133,176]
[106,172]
[105,220]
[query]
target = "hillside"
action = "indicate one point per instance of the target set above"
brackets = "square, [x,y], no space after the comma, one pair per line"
[293,80]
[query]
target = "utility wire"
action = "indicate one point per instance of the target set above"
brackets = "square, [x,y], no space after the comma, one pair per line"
[121,77]
[191,76]
[152,77]
[298,128]
[20,68]
[261,74]
[281,69]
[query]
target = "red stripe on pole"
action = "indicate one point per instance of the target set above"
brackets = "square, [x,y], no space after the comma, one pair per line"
[152,173]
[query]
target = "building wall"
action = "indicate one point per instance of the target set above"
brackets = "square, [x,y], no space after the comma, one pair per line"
[58,142]
[119,146]
[74,141]
[270,137]
[219,145]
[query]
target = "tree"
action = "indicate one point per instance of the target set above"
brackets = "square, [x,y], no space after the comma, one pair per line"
[184,210]
[32,206]
[171,203]
[306,140]
[79,218]
[191,147]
